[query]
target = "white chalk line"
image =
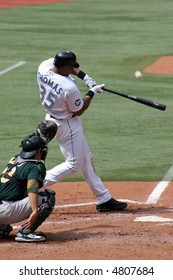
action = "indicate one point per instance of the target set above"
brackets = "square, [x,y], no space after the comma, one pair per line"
[159,189]
[112,216]
[152,219]
[20,63]
[73,220]
[154,197]
[74,205]
[94,203]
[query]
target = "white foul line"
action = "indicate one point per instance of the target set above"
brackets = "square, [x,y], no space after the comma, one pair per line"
[74,205]
[20,63]
[94,203]
[159,189]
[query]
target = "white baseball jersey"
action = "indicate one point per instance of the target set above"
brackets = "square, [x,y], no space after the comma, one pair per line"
[59,94]
[61,98]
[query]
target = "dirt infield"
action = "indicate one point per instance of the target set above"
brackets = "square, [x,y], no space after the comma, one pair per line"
[163,65]
[76,231]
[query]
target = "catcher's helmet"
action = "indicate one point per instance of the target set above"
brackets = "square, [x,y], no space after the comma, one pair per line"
[31,145]
[65,58]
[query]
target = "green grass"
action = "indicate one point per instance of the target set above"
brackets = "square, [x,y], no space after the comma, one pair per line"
[112,39]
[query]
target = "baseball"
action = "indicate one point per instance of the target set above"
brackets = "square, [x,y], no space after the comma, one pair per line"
[138,74]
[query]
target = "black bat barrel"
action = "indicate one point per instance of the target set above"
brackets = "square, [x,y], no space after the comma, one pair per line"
[143,101]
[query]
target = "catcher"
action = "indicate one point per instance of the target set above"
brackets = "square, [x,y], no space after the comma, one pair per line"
[20,182]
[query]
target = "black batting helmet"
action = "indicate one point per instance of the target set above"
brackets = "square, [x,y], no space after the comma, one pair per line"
[65,58]
[31,145]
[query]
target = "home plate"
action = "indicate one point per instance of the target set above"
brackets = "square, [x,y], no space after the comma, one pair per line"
[153,219]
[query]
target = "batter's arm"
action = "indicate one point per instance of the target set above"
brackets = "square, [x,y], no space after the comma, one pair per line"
[90,82]
[87,99]
[86,103]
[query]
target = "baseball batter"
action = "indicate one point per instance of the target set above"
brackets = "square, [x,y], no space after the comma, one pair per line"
[64,105]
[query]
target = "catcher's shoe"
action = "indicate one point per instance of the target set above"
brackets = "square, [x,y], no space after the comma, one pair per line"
[31,237]
[111,205]
[6,231]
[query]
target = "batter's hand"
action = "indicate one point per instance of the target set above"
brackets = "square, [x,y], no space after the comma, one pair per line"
[97,88]
[90,82]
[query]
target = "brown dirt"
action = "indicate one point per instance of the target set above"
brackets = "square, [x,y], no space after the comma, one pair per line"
[164,65]
[76,231]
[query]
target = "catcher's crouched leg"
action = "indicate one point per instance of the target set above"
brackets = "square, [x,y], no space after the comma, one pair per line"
[45,209]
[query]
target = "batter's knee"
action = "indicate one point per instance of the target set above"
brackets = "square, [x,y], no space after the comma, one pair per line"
[75,165]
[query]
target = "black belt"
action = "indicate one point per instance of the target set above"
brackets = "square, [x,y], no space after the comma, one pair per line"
[61,119]
[56,118]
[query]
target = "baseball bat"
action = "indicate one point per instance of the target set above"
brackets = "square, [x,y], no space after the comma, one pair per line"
[143,101]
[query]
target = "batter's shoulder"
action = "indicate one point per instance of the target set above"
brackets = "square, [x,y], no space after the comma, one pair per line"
[46,64]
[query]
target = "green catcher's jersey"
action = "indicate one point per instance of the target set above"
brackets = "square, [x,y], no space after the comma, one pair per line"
[11,190]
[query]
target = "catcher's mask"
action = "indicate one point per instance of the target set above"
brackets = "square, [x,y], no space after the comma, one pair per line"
[65,58]
[31,145]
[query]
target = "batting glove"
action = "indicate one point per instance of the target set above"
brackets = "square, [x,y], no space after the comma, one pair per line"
[89,81]
[97,88]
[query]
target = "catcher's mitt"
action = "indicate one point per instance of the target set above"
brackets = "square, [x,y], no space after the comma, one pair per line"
[47,130]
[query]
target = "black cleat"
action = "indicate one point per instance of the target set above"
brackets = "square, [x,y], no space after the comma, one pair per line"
[111,205]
